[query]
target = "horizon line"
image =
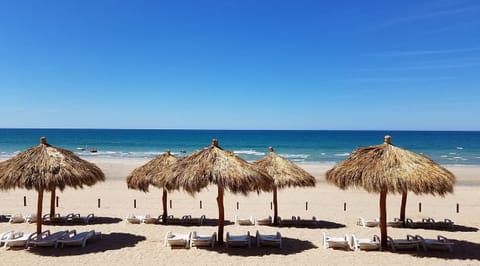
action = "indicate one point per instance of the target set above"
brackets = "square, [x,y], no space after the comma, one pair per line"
[226,129]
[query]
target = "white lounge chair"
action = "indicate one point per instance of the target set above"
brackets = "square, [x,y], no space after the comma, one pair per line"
[15,239]
[4,236]
[31,218]
[365,243]
[289,222]
[404,244]
[396,223]
[269,240]
[425,223]
[56,218]
[264,221]
[368,223]
[197,240]
[336,242]
[445,224]
[441,243]
[148,219]
[238,240]
[307,222]
[74,239]
[46,239]
[134,219]
[16,218]
[175,240]
[77,218]
[189,220]
[245,221]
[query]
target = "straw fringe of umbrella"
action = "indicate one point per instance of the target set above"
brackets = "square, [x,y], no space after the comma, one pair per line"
[213,165]
[150,173]
[398,170]
[385,168]
[45,167]
[285,174]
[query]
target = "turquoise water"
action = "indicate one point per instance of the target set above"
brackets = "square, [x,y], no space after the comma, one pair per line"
[445,147]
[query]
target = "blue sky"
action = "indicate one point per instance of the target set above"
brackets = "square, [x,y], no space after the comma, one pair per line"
[243,64]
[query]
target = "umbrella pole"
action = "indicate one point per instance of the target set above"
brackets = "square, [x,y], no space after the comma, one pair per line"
[403,207]
[220,214]
[39,211]
[52,204]
[383,218]
[275,206]
[164,203]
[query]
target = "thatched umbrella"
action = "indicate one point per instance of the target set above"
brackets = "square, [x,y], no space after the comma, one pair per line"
[285,174]
[386,168]
[151,174]
[47,168]
[213,165]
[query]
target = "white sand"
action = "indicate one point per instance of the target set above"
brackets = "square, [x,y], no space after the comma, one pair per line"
[127,244]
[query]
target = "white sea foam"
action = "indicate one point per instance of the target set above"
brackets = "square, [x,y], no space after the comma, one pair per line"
[295,156]
[459,148]
[249,152]
[345,154]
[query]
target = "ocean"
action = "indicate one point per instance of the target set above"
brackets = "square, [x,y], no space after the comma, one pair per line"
[444,147]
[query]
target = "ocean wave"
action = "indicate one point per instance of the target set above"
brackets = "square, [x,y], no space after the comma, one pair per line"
[298,160]
[249,152]
[295,156]
[345,154]
[459,148]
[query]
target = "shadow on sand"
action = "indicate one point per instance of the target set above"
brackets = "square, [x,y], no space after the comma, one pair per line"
[462,250]
[452,228]
[290,246]
[206,222]
[319,224]
[96,220]
[112,241]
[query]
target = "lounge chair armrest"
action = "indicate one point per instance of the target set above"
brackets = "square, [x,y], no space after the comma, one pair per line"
[410,237]
[442,238]
[419,237]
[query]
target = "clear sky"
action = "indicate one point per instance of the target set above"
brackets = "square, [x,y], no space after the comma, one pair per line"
[246,64]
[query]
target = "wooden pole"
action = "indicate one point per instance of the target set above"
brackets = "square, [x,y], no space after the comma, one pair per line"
[275,206]
[39,211]
[164,203]
[52,203]
[383,218]
[403,207]
[221,216]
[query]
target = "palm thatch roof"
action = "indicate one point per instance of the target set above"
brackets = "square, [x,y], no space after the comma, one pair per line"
[213,165]
[150,173]
[45,167]
[284,172]
[389,167]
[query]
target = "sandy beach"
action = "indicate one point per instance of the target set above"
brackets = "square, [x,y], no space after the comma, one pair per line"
[126,244]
